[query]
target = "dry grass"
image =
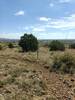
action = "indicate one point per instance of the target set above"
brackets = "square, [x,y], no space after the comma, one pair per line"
[23,77]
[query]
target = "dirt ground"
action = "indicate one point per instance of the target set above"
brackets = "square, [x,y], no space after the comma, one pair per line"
[23,77]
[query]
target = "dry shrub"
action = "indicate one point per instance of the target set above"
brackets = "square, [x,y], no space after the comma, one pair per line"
[64,63]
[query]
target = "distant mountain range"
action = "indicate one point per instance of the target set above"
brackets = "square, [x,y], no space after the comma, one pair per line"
[8,40]
[41,41]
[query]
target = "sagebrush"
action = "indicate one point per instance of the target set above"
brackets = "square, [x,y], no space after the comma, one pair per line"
[64,63]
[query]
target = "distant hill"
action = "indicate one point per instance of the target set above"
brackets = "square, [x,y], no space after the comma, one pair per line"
[42,41]
[8,40]
[63,40]
[66,41]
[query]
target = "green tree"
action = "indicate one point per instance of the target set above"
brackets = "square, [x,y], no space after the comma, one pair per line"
[28,42]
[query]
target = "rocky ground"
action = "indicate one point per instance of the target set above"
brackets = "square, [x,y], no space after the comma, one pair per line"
[23,77]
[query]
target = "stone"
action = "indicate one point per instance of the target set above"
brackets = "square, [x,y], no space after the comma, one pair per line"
[72,80]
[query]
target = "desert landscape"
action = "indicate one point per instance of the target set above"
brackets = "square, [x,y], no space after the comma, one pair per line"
[24,77]
[37,49]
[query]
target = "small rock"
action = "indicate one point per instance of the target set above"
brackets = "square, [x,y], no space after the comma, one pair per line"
[60,78]
[66,82]
[70,85]
[72,80]
[69,98]
[46,66]
[74,90]
[7,90]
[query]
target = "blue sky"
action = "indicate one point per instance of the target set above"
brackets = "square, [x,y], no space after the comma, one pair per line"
[46,19]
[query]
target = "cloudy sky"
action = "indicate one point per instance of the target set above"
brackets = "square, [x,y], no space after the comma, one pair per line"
[46,19]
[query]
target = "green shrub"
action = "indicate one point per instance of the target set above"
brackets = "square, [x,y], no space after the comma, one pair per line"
[64,63]
[72,46]
[0,47]
[28,42]
[10,45]
[56,45]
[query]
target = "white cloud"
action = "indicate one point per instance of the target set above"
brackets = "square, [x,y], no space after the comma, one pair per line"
[63,23]
[26,28]
[51,5]
[38,29]
[20,13]
[44,19]
[34,28]
[65,1]
[54,26]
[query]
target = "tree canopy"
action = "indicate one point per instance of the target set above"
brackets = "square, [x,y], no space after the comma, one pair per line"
[28,42]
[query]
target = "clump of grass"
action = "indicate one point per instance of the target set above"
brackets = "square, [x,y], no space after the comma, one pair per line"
[17,72]
[10,80]
[31,82]
[64,63]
